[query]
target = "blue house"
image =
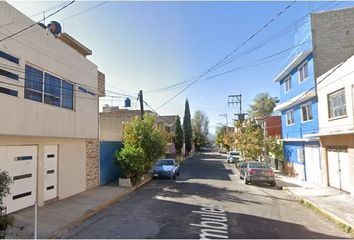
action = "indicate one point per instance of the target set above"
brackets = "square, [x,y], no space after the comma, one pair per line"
[298,108]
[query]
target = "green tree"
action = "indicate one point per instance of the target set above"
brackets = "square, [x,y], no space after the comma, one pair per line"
[131,160]
[144,134]
[200,126]
[187,128]
[178,136]
[5,220]
[275,147]
[249,139]
[225,138]
[262,106]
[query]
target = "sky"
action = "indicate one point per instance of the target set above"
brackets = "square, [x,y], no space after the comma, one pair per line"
[153,45]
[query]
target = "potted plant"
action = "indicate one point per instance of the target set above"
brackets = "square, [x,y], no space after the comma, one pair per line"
[131,160]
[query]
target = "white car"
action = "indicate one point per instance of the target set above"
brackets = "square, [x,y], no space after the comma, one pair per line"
[233,156]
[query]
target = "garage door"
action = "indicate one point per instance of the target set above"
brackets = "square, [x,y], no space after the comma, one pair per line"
[312,164]
[21,163]
[338,168]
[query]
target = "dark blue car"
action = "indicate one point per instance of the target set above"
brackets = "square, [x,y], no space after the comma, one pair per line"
[166,168]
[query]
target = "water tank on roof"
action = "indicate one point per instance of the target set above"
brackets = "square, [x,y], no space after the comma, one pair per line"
[127,102]
[54,27]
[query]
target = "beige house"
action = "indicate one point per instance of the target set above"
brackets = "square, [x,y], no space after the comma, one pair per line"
[49,95]
[112,120]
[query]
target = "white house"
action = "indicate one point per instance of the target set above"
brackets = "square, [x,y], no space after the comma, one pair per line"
[335,90]
[48,112]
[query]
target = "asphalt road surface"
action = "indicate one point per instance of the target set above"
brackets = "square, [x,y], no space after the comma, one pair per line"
[206,201]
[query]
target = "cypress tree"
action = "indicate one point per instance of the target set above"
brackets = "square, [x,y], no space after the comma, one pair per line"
[187,128]
[179,135]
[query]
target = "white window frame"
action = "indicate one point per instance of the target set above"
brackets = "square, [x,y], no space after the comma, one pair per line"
[287,80]
[329,105]
[308,110]
[299,72]
[286,117]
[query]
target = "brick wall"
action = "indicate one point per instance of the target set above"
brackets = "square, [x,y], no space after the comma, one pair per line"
[92,163]
[333,38]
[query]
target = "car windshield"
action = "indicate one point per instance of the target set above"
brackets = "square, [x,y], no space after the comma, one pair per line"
[259,165]
[165,162]
[234,153]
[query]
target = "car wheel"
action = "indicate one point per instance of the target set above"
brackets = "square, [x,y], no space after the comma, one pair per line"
[272,184]
[178,173]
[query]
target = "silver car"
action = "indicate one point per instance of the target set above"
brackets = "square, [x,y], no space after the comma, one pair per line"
[233,157]
[253,172]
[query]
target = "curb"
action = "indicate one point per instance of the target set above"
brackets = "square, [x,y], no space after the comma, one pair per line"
[89,213]
[343,225]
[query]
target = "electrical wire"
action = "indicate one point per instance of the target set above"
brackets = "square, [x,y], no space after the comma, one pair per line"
[24,29]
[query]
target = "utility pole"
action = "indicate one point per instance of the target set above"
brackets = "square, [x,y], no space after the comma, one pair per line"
[236,100]
[141,100]
[265,141]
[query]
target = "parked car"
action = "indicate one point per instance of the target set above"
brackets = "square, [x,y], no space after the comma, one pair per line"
[233,156]
[166,168]
[253,172]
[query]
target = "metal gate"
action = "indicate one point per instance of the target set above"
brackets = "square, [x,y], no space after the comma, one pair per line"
[312,164]
[21,163]
[338,168]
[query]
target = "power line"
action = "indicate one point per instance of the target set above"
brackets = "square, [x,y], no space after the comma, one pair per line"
[18,70]
[283,31]
[33,15]
[84,11]
[24,29]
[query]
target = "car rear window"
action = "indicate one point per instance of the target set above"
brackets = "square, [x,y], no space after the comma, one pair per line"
[165,162]
[234,153]
[259,165]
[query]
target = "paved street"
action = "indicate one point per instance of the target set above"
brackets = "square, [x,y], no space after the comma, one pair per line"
[206,200]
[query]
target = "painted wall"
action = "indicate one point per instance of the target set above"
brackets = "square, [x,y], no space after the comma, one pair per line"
[111,124]
[299,128]
[71,163]
[42,50]
[343,77]
[109,172]
[298,88]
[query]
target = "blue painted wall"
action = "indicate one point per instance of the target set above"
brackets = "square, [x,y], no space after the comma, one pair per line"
[298,88]
[109,172]
[299,128]
[290,151]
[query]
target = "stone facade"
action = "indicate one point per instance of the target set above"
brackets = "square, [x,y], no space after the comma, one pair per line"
[92,163]
[332,34]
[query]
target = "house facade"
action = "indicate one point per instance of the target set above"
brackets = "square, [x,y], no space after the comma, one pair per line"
[299,112]
[49,113]
[321,43]
[336,124]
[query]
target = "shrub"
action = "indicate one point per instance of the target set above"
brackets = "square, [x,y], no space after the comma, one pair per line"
[131,160]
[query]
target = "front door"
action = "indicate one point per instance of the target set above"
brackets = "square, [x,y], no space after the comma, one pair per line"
[50,172]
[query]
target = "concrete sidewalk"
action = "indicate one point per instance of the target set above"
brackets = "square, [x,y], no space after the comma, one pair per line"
[334,204]
[55,218]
